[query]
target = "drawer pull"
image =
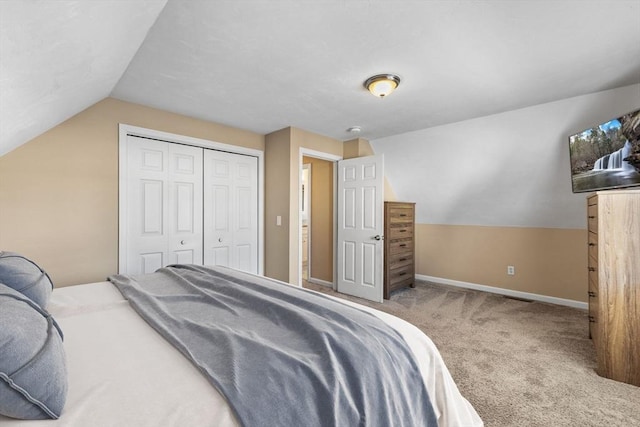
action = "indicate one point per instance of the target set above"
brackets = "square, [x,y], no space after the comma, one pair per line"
[402,230]
[403,245]
[402,274]
[591,216]
[402,259]
[592,319]
[592,294]
[592,269]
[592,244]
[403,214]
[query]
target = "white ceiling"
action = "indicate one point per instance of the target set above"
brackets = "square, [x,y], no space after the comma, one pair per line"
[59,57]
[265,65]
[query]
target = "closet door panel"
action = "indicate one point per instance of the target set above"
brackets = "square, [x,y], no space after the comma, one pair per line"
[150,262]
[164,204]
[219,256]
[185,204]
[220,208]
[230,210]
[184,257]
[148,165]
[245,227]
[152,199]
[244,257]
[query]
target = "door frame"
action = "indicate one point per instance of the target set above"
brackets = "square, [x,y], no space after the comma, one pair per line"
[124,130]
[307,152]
[305,198]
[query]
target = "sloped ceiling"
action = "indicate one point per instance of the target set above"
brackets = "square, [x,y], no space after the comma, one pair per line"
[265,65]
[60,57]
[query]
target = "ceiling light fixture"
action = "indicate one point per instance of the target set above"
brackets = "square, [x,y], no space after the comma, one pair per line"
[354,129]
[382,85]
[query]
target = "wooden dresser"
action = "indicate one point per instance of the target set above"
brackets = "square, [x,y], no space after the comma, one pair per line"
[614,282]
[399,246]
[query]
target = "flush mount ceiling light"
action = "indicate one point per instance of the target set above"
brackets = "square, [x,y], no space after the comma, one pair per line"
[382,85]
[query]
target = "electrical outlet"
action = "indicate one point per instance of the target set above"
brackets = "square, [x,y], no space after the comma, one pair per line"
[511,270]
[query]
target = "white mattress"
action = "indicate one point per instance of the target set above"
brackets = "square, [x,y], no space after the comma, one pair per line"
[123,373]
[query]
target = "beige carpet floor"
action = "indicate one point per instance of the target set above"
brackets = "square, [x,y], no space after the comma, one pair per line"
[519,363]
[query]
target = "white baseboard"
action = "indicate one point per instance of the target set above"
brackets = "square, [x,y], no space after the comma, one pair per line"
[320,282]
[507,292]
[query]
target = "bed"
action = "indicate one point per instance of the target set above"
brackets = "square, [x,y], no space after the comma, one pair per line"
[122,372]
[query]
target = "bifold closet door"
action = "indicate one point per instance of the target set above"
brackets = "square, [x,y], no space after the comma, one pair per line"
[164,184]
[230,210]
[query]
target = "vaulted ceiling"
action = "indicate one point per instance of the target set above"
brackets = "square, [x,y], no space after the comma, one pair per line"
[264,65]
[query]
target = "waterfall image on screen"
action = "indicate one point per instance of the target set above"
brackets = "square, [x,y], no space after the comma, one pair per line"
[607,155]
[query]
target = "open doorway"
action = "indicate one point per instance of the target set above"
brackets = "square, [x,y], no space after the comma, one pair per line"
[305,215]
[317,221]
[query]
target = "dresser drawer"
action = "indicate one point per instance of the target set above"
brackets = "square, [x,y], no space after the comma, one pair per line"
[593,319]
[400,246]
[400,215]
[401,232]
[593,280]
[400,275]
[592,218]
[400,260]
[592,240]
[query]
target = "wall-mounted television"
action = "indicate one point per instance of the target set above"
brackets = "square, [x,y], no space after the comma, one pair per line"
[607,155]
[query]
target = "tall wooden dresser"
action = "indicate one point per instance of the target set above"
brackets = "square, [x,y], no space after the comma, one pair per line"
[399,246]
[614,282]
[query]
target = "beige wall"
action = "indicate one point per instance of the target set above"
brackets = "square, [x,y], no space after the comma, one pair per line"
[360,147]
[59,192]
[277,199]
[357,147]
[321,227]
[59,206]
[548,261]
[282,157]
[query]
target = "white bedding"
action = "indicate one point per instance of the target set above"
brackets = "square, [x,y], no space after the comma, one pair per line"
[123,373]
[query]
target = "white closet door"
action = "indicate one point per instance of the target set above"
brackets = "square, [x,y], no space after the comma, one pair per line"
[230,210]
[164,184]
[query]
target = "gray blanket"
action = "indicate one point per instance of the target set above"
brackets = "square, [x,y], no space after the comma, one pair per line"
[283,356]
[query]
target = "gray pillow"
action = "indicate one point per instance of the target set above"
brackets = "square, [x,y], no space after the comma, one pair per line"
[25,276]
[33,373]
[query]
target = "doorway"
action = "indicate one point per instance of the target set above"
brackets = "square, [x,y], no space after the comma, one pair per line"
[355,247]
[317,220]
[305,215]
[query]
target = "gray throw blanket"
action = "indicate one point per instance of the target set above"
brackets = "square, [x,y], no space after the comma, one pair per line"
[283,356]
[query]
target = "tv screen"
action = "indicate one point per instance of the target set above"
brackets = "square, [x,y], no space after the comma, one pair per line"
[607,155]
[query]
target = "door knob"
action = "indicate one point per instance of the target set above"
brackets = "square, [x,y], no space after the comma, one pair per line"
[220,239]
[378,237]
[182,242]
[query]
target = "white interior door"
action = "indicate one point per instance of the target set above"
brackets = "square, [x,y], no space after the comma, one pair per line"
[164,184]
[360,227]
[230,210]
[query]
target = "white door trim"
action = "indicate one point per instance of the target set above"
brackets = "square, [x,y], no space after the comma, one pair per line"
[306,200]
[332,158]
[124,130]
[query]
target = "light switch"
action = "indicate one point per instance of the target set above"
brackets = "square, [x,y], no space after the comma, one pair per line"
[278,220]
